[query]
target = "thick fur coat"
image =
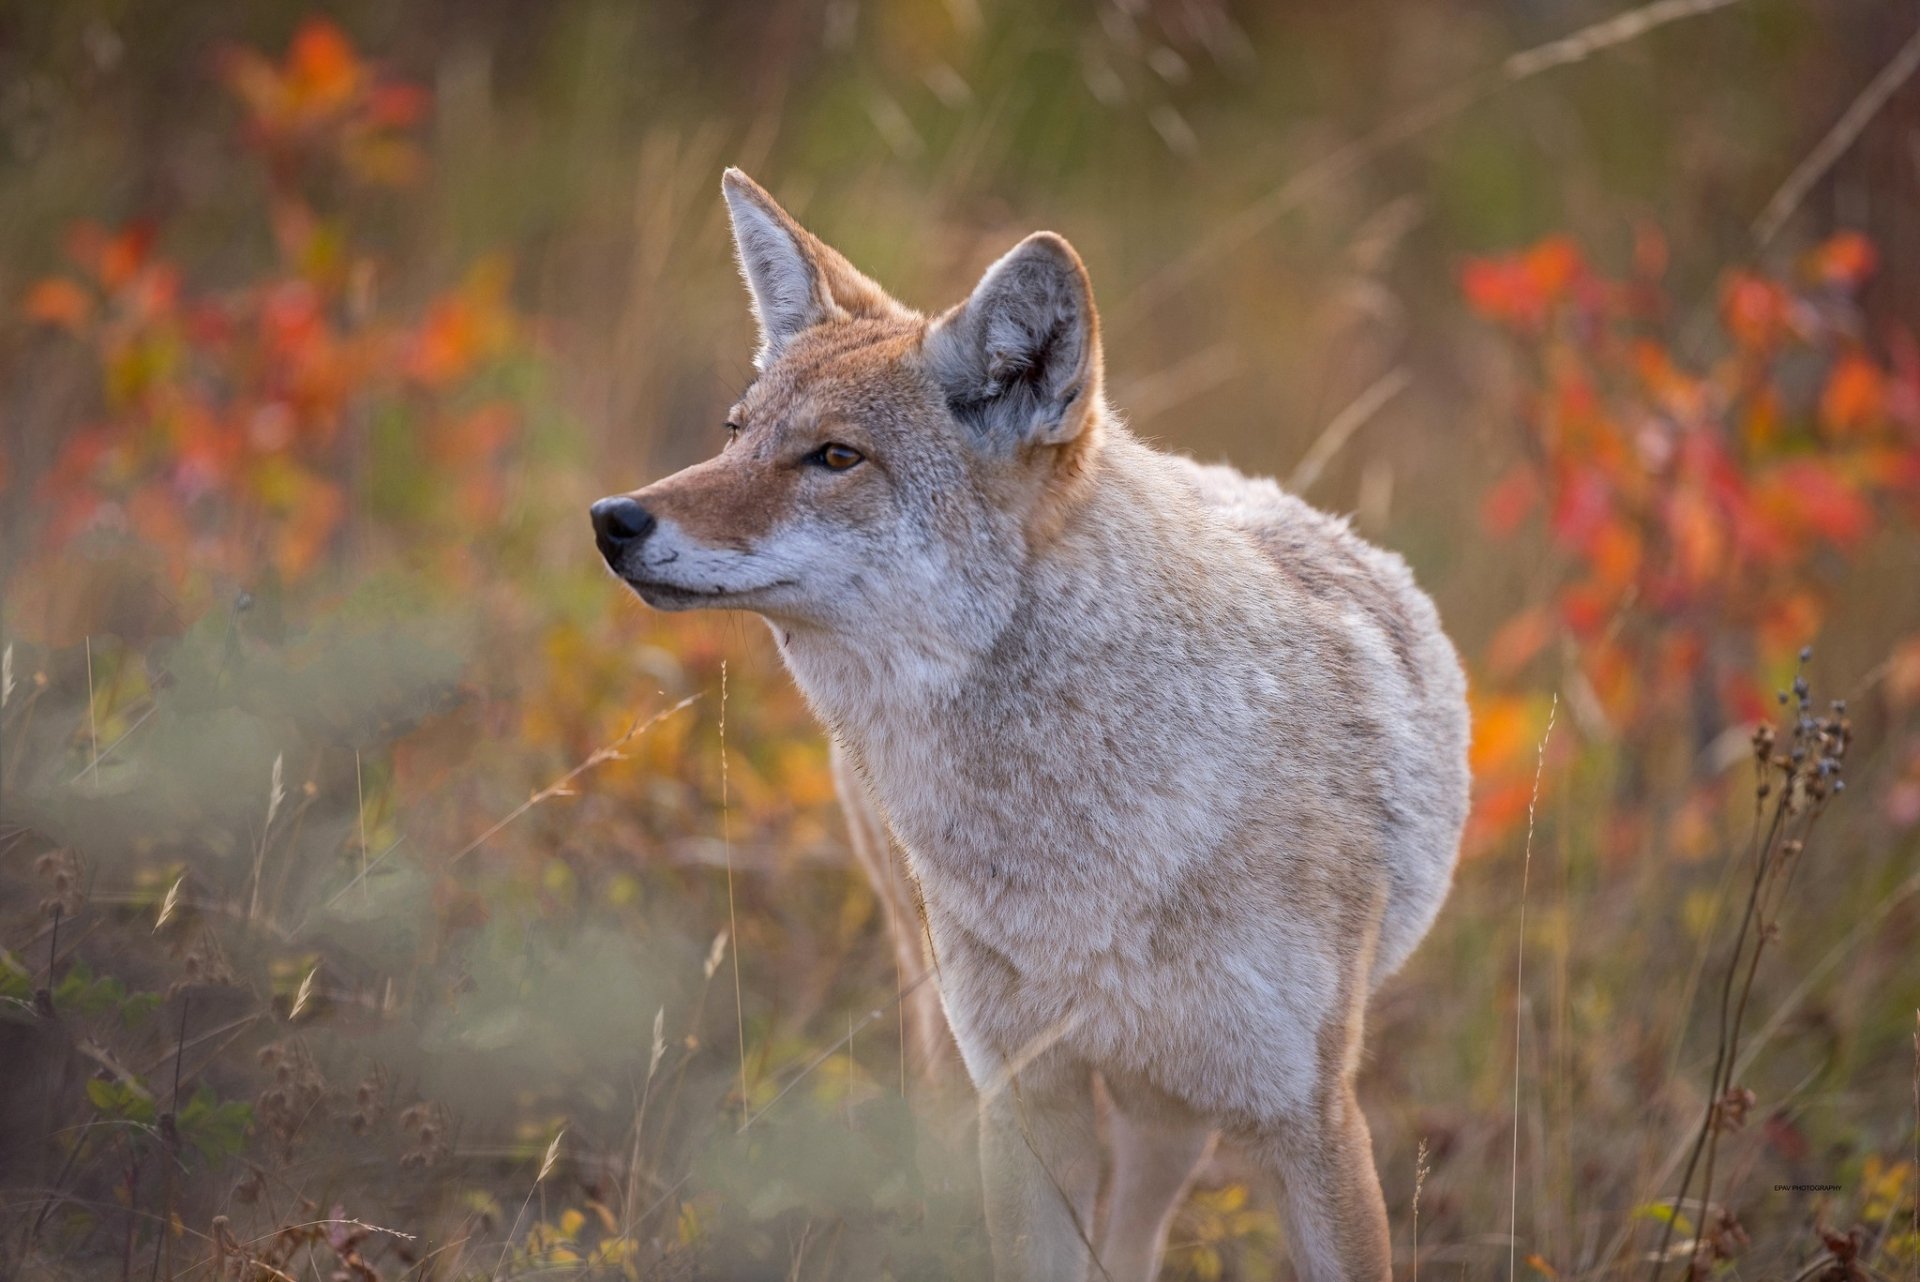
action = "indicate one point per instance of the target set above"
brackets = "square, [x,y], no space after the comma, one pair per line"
[1177,762]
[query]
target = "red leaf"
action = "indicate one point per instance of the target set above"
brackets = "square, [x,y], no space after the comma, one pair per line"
[1510,500]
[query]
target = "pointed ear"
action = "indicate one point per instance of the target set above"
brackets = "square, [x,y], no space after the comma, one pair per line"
[1020,359]
[795,280]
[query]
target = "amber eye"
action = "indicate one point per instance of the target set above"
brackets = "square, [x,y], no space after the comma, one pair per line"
[837,458]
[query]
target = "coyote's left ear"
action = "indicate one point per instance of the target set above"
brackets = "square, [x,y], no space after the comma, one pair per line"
[1020,359]
[796,280]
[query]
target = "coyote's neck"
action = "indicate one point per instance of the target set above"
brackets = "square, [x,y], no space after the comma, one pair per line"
[1001,749]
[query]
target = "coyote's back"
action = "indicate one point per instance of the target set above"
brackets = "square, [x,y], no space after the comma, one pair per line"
[1410,676]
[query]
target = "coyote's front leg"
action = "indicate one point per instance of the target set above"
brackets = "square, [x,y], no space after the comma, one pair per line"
[880,858]
[1040,1169]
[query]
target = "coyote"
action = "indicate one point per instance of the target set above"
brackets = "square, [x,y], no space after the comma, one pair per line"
[1176,762]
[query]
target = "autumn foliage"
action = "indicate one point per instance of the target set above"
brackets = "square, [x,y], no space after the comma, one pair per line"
[1696,502]
[240,430]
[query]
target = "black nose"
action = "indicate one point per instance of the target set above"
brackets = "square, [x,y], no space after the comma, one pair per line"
[620,524]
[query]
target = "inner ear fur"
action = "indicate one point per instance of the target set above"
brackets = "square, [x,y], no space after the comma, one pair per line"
[1020,360]
[794,279]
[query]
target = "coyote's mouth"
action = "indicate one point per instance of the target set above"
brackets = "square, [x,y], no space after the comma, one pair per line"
[662,595]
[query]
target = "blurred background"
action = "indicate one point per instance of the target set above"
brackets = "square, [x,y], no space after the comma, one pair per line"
[384,893]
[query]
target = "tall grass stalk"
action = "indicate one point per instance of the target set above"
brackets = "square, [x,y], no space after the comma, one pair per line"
[546,1168]
[1420,1169]
[733,926]
[1519,991]
[93,729]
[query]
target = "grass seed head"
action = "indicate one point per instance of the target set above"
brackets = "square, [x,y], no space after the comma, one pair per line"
[169,903]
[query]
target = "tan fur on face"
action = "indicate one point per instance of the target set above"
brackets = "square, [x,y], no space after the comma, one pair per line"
[724,502]
[840,383]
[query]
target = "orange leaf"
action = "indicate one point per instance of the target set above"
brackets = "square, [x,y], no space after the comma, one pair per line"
[1519,639]
[1499,807]
[1505,727]
[1855,396]
[1787,624]
[1760,424]
[1844,260]
[1614,676]
[1699,538]
[1804,499]
[1552,266]
[308,527]
[1614,554]
[1754,310]
[124,254]
[58,301]
[322,69]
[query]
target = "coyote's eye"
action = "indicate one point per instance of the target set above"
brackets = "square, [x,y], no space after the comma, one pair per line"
[733,429]
[836,457]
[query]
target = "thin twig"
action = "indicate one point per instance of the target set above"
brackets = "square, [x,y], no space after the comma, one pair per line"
[558,788]
[109,750]
[1324,174]
[827,1054]
[93,731]
[1334,437]
[360,794]
[733,927]
[1834,145]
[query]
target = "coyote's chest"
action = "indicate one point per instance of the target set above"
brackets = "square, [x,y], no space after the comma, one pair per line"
[1046,832]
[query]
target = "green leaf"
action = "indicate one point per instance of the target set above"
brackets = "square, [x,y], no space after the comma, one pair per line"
[138,1007]
[119,1099]
[217,1129]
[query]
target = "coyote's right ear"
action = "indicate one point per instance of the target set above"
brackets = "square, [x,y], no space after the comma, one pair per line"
[795,279]
[1020,359]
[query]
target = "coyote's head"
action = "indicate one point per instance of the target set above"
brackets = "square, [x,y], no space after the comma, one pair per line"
[884,468]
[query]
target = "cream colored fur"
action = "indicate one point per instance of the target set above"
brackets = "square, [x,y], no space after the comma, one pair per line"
[1176,761]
